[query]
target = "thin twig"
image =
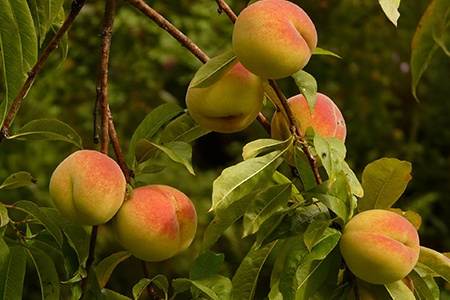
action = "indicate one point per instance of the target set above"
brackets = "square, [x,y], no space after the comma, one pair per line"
[224,7]
[170,28]
[117,150]
[150,289]
[75,9]
[89,261]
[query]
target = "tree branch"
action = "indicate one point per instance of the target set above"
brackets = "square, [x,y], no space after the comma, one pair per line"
[77,5]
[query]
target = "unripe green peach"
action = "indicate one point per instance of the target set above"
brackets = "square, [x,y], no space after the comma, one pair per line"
[379,246]
[274,38]
[156,222]
[229,105]
[88,187]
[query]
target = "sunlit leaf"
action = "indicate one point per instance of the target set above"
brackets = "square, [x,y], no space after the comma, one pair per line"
[47,129]
[216,286]
[355,185]
[331,152]
[435,262]
[390,8]
[159,280]
[44,15]
[47,273]
[307,85]
[424,284]
[206,264]
[113,295]
[246,277]
[105,268]
[213,70]
[432,26]
[263,146]
[315,231]
[320,51]
[384,181]
[4,217]
[16,180]
[246,176]
[12,274]
[183,129]
[399,291]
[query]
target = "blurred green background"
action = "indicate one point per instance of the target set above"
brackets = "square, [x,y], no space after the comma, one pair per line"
[370,84]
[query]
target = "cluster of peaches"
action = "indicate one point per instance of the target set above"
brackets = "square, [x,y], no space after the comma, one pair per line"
[274,39]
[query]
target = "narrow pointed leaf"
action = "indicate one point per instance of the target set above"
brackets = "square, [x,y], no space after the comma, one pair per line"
[307,85]
[105,268]
[216,286]
[159,280]
[390,8]
[48,129]
[315,231]
[206,264]
[240,179]
[263,146]
[16,180]
[183,129]
[47,274]
[213,70]
[113,295]
[435,262]
[321,51]
[4,217]
[424,284]
[12,274]
[399,291]
[384,181]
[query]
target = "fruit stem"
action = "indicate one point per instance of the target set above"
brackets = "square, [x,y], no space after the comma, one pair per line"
[224,7]
[76,7]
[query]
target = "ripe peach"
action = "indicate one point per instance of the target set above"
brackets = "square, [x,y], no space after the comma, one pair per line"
[228,105]
[274,38]
[88,187]
[379,246]
[156,222]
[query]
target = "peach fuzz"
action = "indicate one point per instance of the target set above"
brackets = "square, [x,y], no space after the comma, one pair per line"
[156,222]
[326,118]
[379,246]
[274,38]
[229,105]
[88,187]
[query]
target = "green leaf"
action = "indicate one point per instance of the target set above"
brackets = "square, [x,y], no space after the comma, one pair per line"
[320,51]
[304,170]
[263,146]
[355,185]
[44,13]
[246,277]
[112,295]
[239,180]
[17,180]
[46,270]
[12,274]
[18,45]
[390,8]
[105,268]
[424,284]
[48,129]
[179,152]
[436,263]
[307,85]
[206,264]
[159,280]
[213,70]
[183,129]
[216,286]
[384,181]
[64,42]
[315,231]
[432,26]
[4,252]
[151,124]
[332,153]
[4,217]
[264,204]
[399,291]
[40,216]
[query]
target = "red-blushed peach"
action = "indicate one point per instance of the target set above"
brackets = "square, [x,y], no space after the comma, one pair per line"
[88,187]
[274,38]
[229,105]
[156,222]
[379,246]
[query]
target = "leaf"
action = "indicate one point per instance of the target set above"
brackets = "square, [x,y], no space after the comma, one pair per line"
[105,268]
[206,264]
[183,129]
[384,181]
[216,286]
[307,85]
[315,231]
[12,274]
[246,277]
[332,153]
[159,280]
[46,270]
[432,25]
[320,51]
[48,129]
[424,284]
[399,291]
[40,216]
[179,152]
[263,205]
[44,14]
[213,70]
[112,295]
[390,8]
[355,185]
[263,146]
[435,262]
[153,122]
[18,45]
[17,180]
[4,217]
[240,179]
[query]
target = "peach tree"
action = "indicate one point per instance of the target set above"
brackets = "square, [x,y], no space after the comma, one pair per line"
[291,193]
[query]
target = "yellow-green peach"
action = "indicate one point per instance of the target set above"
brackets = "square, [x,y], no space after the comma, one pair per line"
[88,187]
[274,38]
[379,246]
[229,105]
[156,222]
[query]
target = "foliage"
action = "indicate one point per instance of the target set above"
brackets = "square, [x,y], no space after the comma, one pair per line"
[289,221]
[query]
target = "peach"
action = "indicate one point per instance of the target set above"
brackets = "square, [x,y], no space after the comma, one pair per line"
[274,38]
[379,246]
[88,187]
[229,105]
[156,222]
